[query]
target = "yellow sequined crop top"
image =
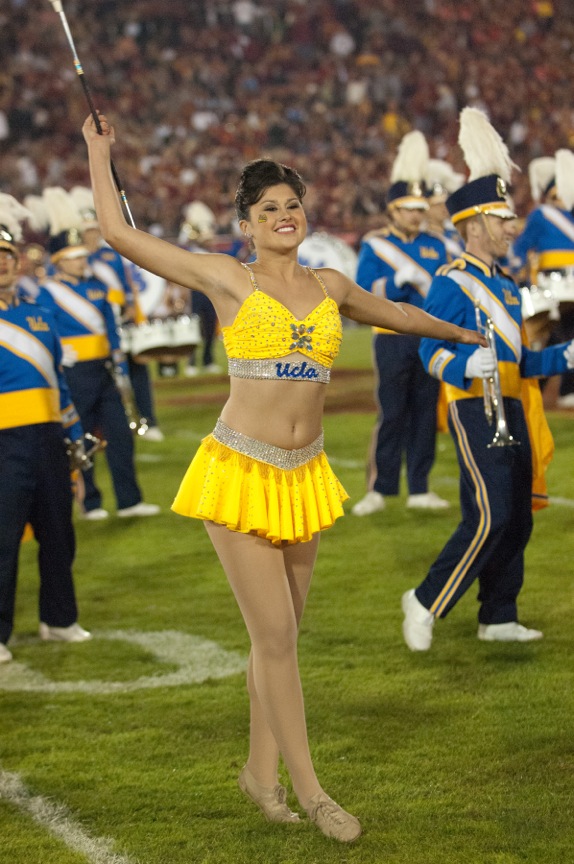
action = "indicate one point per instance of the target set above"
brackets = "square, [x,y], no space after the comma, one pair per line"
[264,331]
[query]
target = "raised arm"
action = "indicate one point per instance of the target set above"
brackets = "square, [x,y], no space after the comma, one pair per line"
[361,306]
[206,273]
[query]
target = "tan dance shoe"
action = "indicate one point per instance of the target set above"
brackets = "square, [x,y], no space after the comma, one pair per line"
[271,801]
[332,820]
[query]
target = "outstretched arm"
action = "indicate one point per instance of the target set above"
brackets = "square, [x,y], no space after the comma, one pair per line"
[361,306]
[204,273]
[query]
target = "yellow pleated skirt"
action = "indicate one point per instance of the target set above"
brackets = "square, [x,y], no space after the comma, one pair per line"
[253,497]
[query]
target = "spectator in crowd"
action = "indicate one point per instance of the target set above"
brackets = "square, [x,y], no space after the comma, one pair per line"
[334,88]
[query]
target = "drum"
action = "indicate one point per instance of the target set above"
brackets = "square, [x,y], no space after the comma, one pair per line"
[150,288]
[539,313]
[325,250]
[165,339]
[185,332]
[537,300]
[149,341]
[125,334]
[560,283]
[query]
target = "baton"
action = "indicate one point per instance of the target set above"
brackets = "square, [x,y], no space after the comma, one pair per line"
[80,72]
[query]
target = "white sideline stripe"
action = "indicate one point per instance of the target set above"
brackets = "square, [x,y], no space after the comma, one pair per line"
[197,660]
[347,463]
[563,502]
[57,820]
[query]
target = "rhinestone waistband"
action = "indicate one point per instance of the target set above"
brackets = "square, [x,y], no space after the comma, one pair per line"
[287,460]
[276,369]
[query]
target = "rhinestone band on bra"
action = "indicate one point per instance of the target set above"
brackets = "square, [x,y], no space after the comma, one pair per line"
[279,370]
[287,460]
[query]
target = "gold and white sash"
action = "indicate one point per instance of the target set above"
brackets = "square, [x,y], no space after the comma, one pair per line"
[559,220]
[396,259]
[75,305]
[22,344]
[481,295]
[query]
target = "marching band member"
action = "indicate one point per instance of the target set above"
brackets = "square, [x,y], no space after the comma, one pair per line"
[546,245]
[36,415]
[110,268]
[261,482]
[497,487]
[441,181]
[95,366]
[197,231]
[398,263]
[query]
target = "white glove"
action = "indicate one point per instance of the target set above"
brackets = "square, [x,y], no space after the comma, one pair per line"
[480,364]
[569,354]
[69,356]
[410,274]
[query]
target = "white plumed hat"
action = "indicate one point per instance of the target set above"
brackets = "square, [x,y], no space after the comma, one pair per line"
[542,175]
[12,214]
[565,177]
[199,222]
[490,168]
[409,172]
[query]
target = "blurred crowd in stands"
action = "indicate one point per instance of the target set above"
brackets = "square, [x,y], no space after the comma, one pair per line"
[329,86]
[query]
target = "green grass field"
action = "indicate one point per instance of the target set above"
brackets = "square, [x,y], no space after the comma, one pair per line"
[127,748]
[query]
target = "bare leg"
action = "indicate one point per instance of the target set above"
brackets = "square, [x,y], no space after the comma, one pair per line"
[270,585]
[263,758]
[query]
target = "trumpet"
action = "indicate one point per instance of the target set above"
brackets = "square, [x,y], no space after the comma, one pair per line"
[492,389]
[138,425]
[80,454]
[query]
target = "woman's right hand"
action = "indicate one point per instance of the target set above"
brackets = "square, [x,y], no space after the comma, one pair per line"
[91,135]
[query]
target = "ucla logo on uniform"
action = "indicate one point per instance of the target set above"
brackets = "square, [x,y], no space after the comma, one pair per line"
[428,252]
[510,298]
[95,294]
[285,370]
[37,324]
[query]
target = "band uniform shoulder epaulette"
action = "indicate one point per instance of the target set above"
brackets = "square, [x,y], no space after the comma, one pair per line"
[457,264]
[376,232]
[432,233]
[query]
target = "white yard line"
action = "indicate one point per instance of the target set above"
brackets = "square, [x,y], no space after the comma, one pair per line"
[57,820]
[196,660]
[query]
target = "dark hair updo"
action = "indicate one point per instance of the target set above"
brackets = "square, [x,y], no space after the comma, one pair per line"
[259,175]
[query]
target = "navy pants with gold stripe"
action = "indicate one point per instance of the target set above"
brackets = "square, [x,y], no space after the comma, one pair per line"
[496,505]
[35,487]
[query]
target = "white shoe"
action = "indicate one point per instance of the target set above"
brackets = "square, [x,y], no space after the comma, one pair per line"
[153,433]
[427,501]
[371,503]
[212,369]
[510,631]
[418,623]
[566,401]
[73,633]
[96,515]
[191,371]
[141,509]
[5,655]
